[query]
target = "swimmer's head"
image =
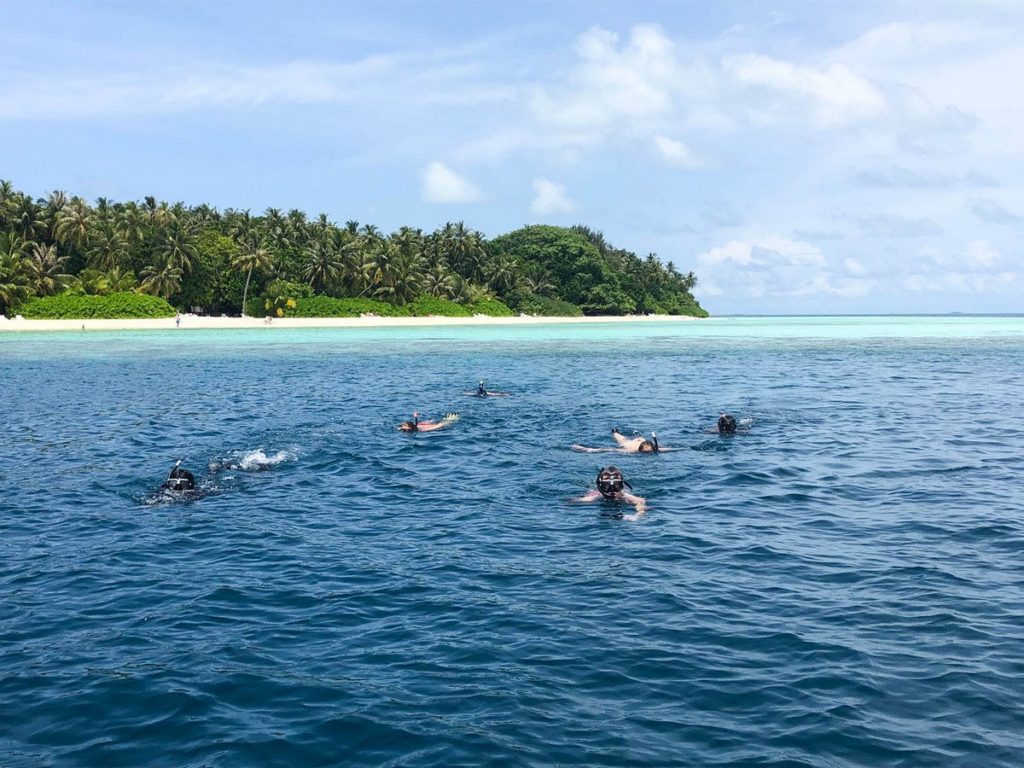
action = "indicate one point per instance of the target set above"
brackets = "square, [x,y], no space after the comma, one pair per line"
[647,447]
[726,424]
[610,482]
[180,480]
[408,426]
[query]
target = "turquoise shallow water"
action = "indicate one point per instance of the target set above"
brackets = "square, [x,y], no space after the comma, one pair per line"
[840,586]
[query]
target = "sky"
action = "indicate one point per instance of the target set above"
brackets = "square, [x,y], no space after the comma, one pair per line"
[802,157]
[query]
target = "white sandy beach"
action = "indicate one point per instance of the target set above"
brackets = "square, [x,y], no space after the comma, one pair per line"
[195,322]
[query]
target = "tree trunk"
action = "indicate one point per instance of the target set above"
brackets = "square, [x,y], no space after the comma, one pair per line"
[245,292]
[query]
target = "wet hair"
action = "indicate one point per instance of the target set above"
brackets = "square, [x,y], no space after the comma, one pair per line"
[408,426]
[648,447]
[726,424]
[610,482]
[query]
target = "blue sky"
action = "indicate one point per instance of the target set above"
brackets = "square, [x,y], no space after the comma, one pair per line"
[799,157]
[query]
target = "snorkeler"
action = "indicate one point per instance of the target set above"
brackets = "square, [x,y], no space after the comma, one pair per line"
[638,444]
[482,391]
[179,480]
[416,425]
[611,486]
[727,424]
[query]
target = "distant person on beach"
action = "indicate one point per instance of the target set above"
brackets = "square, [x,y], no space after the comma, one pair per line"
[611,486]
[177,321]
[639,444]
[482,391]
[426,425]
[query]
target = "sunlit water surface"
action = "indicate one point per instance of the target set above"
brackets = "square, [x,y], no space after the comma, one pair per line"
[843,585]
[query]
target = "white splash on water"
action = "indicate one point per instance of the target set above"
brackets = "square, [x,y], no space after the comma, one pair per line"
[254,461]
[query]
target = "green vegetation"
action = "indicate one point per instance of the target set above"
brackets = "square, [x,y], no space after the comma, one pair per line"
[284,264]
[69,306]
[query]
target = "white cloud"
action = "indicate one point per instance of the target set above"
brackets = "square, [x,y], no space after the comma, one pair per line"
[854,267]
[443,185]
[764,252]
[550,198]
[980,253]
[837,95]
[675,152]
[617,89]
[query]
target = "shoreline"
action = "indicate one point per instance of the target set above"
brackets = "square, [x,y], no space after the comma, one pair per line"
[196,322]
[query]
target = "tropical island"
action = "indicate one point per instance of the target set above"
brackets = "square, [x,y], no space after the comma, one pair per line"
[61,258]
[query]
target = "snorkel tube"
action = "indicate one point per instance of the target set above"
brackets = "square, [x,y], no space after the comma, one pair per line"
[654,439]
[179,479]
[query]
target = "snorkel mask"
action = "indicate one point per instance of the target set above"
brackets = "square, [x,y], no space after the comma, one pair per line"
[180,479]
[610,482]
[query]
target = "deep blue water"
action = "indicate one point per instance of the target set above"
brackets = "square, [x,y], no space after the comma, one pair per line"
[841,586]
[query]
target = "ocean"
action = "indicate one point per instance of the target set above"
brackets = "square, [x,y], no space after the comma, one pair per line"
[839,584]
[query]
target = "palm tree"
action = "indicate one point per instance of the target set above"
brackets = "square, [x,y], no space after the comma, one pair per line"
[43,268]
[465,250]
[377,264]
[438,282]
[537,281]
[107,247]
[14,280]
[402,277]
[55,205]
[161,279]
[324,265]
[178,246]
[131,224]
[73,224]
[253,257]
[277,229]
[28,219]
[7,202]
[120,280]
[501,273]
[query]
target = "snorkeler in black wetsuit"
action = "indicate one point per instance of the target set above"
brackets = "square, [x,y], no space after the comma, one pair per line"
[179,480]
[726,424]
[482,391]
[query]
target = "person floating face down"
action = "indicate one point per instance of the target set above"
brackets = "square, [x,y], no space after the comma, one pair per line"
[639,444]
[611,486]
[426,425]
[179,480]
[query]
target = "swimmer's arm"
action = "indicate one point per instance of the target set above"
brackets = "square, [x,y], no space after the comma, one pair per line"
[638,502]
[585,449]
[447,421]
[587,497]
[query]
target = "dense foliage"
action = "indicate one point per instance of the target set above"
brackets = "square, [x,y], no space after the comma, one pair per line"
[70,306]
[285,264]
